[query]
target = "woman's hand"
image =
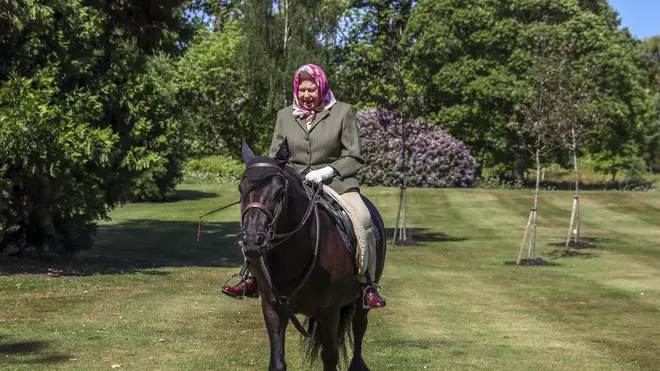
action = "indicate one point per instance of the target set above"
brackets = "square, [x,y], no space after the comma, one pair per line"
[317,176]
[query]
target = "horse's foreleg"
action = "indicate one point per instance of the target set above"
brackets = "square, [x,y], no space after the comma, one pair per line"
[330,350]
[276,323]
[360,322]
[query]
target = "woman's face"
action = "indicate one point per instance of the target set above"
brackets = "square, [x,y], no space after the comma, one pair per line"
[308,92]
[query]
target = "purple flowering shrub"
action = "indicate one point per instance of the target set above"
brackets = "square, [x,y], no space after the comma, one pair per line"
[434,158]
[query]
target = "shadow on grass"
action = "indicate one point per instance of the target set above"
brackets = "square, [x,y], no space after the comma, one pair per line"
[421,343]
[597,239]
[538,262]
[36,349]
[184,195]
[22,347]
[140,246]
[584,243]
[570,253]
[569,185]
[423,235]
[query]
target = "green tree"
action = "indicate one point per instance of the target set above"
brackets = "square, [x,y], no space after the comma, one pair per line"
[470,60]
[281,36]
[371,73]
[537,122]
[240,73]
[49,196]
[212,89]
[369,67]
[89,114]
[652,48]
[624,105]
[576,117]
[652,132]
[651,154]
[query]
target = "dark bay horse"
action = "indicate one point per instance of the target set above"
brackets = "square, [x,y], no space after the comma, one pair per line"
[301,263]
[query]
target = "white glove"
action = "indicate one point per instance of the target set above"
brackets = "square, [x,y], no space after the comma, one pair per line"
[317,176]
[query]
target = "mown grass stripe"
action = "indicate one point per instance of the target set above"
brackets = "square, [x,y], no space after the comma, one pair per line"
[454,303]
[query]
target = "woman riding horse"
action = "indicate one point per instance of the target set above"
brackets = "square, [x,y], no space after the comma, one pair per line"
[321,158]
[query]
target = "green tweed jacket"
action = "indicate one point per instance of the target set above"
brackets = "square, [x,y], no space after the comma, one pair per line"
[333,140]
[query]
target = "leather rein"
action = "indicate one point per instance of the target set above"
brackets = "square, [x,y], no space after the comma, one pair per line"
[275,239]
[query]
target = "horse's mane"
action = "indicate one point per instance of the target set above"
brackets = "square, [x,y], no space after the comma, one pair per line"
[292,172]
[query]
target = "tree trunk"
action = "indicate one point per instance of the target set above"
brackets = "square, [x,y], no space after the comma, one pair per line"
[405,211]
[398,218]
[404,140]
[522,244]
[575,213]
[577,191]
[570,225]
[532,253]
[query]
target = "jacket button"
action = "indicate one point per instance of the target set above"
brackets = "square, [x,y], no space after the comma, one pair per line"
[307,151]
[307,138]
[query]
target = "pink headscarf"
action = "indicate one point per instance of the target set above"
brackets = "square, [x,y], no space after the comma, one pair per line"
[325,94]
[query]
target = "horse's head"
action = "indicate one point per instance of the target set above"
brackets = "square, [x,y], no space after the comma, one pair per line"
[264,189]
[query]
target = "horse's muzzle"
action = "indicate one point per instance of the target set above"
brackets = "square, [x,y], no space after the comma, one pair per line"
[256,246]
[253,251]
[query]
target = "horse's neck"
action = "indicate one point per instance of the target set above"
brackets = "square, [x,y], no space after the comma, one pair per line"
[297,205]
[298,248]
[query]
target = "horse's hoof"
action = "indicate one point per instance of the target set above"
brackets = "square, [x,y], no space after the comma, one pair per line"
[358,366]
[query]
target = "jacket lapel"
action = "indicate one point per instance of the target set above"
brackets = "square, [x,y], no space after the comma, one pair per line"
[319,116]
[301,123]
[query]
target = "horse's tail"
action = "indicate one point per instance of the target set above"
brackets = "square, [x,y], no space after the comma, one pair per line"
[312,345]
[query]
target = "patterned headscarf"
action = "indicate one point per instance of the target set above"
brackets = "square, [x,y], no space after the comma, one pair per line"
[325,94]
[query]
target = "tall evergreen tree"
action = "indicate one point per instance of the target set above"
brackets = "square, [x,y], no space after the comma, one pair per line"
[88,114]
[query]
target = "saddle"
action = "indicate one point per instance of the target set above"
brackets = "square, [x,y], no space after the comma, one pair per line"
[341,220]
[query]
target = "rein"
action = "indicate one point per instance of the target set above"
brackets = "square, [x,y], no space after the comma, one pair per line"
[284,301]
[279,238]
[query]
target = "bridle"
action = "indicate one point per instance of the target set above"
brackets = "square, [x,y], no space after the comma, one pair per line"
[273,239]
[271,236]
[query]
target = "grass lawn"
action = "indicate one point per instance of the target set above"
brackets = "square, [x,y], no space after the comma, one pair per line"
[453,302]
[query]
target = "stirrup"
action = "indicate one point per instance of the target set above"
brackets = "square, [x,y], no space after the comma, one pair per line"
[378,289]
[240,297]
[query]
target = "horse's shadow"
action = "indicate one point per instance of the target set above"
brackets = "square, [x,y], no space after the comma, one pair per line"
[140,246]
[36,350]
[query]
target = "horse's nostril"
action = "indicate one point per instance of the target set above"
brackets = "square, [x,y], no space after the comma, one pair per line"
[260,239]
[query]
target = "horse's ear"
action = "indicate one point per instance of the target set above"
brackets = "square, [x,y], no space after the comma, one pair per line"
[248,154]
[282,156]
